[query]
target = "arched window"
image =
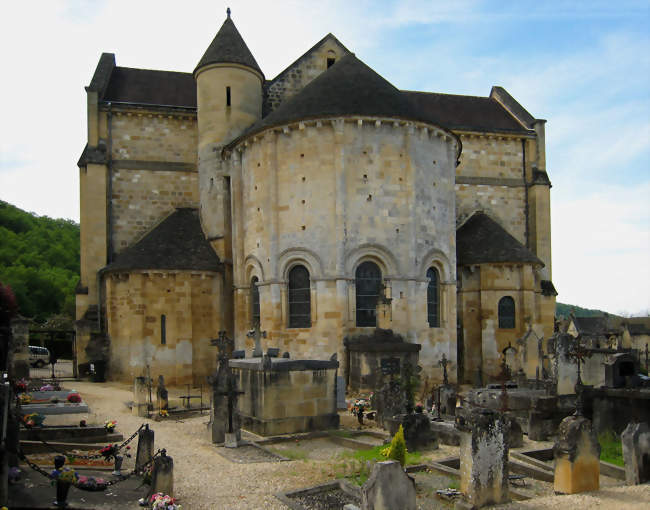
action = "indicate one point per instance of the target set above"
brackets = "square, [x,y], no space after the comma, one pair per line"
[255,302]
[507,313]
[368,284]
[433,298]
[299,298]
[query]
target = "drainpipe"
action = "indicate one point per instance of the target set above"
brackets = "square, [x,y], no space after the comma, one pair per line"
[526,208]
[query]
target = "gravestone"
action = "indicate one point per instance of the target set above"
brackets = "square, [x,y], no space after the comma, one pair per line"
[145,447]
[140,397]
[224,425]
[483,457]
[388,488]
[577,457]
[162,475]
[636,453]
[417,430]
[389,401]
[162,395]
[340,394]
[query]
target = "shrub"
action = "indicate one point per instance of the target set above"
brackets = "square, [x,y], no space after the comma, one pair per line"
[398,447]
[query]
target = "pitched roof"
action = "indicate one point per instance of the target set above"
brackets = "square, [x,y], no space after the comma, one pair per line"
[347,88]
[482,240]
[145,86]
[469,113]
[602,325]
[228,46]
[175,243]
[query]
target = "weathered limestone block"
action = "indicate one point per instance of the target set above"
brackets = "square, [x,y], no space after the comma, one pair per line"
[145,447]
[388,488]
[483,457]
[636,453]
[140,397]
[162,475]
[577,457]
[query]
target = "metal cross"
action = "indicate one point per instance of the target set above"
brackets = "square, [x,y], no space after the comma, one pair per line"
[443,363]
[231,393]
[504,375]
[578,354]
[257,335]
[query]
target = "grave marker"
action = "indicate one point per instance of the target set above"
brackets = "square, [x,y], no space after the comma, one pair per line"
[140,400]
[145,447]
[162,475]
[577,457]
[388,488]
[636,453]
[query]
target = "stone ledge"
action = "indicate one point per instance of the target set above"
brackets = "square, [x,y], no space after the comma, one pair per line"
[283,364]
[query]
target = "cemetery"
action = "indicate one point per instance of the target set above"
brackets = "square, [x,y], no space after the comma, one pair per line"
[270,431]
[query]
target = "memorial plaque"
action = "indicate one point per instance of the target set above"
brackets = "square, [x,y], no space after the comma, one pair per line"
[390,366]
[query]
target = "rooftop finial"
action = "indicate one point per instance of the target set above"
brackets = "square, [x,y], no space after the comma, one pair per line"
[228,12]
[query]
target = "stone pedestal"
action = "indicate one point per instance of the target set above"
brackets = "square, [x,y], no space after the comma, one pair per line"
[140,397]
[162,476]
[577,457]
[219,423]
[483,457]
[284,396]
[636,453]
[388,488]
[145,447]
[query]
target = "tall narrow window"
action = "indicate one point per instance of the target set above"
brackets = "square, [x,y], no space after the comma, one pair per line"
[368,283]
[299,298]
[227,96]
[255,302]
[330,62]
[506,312]
[433,298]
[163,330]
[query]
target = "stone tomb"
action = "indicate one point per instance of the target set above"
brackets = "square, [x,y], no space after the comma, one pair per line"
[636,453]
[284,396]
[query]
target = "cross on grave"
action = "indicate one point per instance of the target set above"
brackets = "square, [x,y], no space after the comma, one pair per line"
[257,335]
[225,346]
[578,354]
[504,375]
[443,363]
[232,394]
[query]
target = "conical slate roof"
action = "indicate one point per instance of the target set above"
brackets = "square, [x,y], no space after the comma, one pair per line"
[229,47]
[481,240]
[176,243]
[347,88]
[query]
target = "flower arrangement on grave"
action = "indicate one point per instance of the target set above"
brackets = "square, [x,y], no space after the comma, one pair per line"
[24,398]
[160,501]
[164,413]
[109,425]
[146,474]
[109,451]
[74,398]
[33,420]
[90,483]
[20,386]
[65,475]
[419,407]
[47,387]
[360,404]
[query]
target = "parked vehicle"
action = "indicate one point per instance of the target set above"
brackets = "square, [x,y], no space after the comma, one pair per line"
[38,356]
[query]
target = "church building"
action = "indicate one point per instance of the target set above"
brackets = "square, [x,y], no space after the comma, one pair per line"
[318,205]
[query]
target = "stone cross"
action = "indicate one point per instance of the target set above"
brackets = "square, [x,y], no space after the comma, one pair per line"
[578,354]
[443,363]
[504,375]
[225,346]
[257,335]
[231,393]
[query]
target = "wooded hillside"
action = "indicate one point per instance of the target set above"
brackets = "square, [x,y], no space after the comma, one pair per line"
[39,259]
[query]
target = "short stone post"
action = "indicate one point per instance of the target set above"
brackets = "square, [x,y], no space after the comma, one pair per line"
[162,475]
[577,457]
[145,447]
[388,488]
[483,457]
[140,397]
[636,453]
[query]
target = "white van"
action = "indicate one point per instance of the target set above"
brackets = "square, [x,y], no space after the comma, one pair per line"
[38,356]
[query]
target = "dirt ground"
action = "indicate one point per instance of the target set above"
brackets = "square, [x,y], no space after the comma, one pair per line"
[203,479]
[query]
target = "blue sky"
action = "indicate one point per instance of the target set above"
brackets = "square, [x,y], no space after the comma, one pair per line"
[584,66]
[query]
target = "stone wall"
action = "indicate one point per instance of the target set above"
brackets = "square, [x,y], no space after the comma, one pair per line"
[190,302]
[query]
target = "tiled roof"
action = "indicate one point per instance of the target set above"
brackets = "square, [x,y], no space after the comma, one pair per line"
[176,243]
[228,46]
[144,86]
[481,240]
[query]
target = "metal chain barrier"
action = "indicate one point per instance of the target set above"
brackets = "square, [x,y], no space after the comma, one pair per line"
[36,468]
[90,457]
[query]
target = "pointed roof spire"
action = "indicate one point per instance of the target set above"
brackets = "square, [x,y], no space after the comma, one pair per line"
[228,47]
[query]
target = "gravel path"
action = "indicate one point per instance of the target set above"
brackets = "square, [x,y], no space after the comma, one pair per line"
[203,479]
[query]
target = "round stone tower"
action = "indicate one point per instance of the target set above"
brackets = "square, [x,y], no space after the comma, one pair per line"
[229,99]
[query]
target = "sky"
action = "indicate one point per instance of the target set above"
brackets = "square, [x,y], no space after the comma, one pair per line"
[584,66]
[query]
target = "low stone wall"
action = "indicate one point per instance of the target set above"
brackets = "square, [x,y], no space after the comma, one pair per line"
[283,396]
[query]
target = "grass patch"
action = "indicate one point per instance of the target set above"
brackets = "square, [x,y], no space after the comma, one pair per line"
[374,455]
[356,466]
[341,433]
[611,449]
[290,453]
